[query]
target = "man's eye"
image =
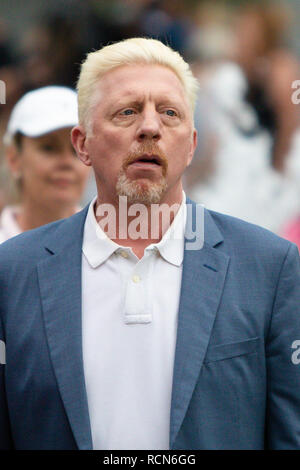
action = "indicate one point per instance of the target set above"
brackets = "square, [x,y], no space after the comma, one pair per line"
[171,112]
[127,112]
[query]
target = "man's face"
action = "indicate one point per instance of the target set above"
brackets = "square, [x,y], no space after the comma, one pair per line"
[142,135]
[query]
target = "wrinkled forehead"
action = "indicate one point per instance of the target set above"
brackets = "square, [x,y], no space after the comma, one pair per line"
[141,80]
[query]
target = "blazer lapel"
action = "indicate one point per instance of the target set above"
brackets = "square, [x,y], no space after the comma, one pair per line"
[203,277]
[60,287]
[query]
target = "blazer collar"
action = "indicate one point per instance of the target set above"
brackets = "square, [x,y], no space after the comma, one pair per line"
[69,232]
[200,219]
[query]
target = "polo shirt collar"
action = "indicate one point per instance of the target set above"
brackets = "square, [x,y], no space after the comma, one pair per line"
[98,247]
[171,246]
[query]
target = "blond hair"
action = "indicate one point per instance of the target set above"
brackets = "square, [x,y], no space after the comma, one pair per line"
[129,52]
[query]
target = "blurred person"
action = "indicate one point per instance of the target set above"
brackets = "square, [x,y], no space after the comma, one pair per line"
[208,46]
[11,90]
[111,21]
[237,178]
[168,21]
[51,52]
[270,69]
[49,176]
[134,339]
[8,72]
[241,180]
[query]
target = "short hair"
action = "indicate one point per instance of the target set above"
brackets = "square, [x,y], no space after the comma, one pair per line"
[131,51]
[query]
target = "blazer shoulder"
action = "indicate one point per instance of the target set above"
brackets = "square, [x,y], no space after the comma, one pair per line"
[240,234]
[28,241]
[30,246]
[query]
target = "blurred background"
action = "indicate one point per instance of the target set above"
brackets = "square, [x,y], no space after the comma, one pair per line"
[246,55]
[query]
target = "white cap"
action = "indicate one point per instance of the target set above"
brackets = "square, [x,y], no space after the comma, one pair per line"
[41,111]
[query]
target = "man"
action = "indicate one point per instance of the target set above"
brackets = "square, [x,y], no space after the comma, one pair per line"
[120,334]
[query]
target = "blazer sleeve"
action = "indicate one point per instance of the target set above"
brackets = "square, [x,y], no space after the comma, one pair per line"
[283,359]
[6,441]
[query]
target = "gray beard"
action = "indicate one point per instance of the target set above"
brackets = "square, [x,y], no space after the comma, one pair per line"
[137,193]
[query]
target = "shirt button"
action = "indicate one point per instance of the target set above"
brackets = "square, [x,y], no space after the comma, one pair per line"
[124,254]
[136,278]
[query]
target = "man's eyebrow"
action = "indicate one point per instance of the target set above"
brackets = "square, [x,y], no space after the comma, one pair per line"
[170,101]
[129,101]
[138,101]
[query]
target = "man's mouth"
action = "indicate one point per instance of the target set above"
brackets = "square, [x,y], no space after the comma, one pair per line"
[147,160]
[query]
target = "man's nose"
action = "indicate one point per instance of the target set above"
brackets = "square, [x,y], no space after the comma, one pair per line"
[149,128]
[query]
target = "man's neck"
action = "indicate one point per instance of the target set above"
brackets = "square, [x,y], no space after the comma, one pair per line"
[136,225]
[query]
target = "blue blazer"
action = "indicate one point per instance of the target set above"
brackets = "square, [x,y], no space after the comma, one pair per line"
[236,378]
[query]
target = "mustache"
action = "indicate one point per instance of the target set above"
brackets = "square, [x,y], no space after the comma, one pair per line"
[147,148]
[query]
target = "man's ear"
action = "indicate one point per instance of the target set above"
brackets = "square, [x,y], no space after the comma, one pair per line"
[193,147]
[78,139]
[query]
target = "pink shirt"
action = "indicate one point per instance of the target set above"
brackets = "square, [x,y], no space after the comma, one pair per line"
[292,231]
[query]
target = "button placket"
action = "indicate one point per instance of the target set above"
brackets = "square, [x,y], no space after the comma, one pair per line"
[137,307]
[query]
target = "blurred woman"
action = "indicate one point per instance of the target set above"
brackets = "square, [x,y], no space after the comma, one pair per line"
[270,69]
[49,176]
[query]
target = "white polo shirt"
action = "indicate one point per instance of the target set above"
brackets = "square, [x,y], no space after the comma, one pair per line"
[129,324]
